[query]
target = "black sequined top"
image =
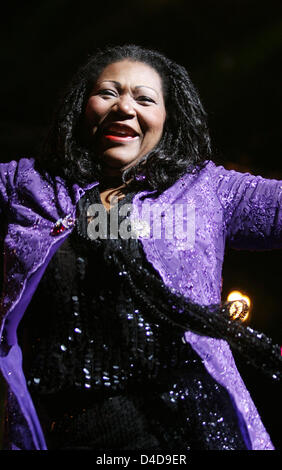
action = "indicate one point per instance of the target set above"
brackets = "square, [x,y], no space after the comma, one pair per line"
[88,337]
[91,334]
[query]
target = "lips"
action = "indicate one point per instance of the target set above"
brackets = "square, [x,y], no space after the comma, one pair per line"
[119,132]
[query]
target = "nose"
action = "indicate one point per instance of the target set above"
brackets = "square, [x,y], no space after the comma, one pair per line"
[125,106]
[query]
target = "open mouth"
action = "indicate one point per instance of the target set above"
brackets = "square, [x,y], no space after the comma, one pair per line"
[120,133]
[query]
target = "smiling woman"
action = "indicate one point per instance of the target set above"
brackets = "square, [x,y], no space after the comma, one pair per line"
[125,114]
[181,136]
[124,117]
[125,341]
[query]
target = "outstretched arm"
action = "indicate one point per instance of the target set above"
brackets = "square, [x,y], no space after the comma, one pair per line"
[252,210]
[7,177]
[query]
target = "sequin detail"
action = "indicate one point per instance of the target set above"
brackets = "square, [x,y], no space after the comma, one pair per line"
[62,225]
[226,210]
[96,345]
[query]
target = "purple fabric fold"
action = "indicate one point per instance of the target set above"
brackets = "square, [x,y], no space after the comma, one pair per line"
[221,207]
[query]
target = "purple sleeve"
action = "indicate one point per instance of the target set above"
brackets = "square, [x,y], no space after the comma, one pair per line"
[252,209]
[7,175]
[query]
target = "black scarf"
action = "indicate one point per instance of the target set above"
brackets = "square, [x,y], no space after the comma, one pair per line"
[149,291]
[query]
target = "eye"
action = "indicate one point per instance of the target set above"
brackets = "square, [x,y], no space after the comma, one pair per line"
[145,99]
[107,92]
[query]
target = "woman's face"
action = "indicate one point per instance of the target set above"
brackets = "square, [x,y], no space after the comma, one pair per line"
[125,114]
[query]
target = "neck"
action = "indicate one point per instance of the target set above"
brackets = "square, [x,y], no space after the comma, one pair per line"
[108,182]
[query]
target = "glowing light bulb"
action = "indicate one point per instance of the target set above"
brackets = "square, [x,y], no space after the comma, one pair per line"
[240,305]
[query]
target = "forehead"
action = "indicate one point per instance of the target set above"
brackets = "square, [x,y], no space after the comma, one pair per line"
[136,73]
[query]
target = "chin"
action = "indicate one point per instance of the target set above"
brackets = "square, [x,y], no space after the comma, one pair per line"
[119,161]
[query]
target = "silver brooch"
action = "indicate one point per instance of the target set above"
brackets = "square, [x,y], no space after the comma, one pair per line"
[62,225]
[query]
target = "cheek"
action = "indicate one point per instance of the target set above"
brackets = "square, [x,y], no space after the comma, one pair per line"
[95,110]
[155,123]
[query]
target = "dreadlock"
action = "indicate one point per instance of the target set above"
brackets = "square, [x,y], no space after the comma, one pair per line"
[169,307]
[178,312]
[185,143]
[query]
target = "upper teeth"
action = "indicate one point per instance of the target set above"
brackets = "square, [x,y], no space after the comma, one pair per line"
[120,130]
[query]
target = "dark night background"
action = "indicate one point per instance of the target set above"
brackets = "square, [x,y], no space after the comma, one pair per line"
[232,50]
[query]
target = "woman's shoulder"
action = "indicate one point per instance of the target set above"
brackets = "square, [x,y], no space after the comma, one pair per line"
[18,171]
[207,172]
[11,172]
[16,165]
[206,168]
[216,174]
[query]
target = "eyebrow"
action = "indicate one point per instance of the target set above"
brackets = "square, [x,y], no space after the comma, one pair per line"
[118,84]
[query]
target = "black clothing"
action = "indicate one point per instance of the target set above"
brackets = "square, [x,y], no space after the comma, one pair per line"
[106,375]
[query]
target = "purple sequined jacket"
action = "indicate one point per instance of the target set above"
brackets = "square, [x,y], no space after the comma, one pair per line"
[228,206]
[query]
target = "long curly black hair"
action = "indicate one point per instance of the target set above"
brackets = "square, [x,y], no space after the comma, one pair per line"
[185,143]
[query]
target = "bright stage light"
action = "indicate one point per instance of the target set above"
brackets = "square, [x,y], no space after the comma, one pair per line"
[240,305]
